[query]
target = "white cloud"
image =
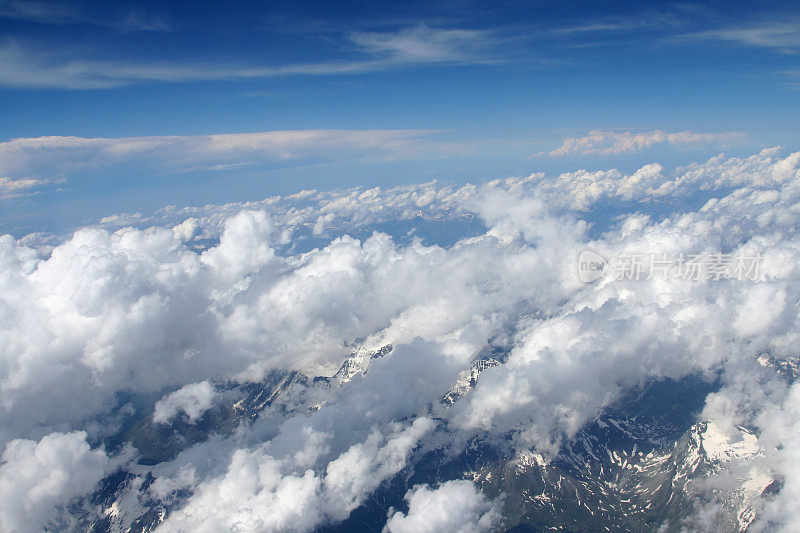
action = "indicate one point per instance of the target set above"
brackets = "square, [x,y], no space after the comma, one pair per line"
[70,13]
[257,493]
[185,231]
[424,44]
[783,37]
[36,478]
[8,185]
[25,159]
[53,159]
[407,47]
[454,506]
[108,313]
[14,188]
[611,142]
[193,400]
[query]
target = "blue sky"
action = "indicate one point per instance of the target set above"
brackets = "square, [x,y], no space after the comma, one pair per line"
[123,107]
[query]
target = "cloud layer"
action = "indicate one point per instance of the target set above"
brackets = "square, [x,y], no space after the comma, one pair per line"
[610,142]
[64,156]
[143,320]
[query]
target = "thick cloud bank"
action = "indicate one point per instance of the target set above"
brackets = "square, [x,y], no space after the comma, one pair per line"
[169,319]
[37,477]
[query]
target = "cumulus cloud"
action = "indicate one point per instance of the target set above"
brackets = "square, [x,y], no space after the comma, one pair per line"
[38,478]
[109,323]
[258,494]
[454,506]
[611,142]
[192,400]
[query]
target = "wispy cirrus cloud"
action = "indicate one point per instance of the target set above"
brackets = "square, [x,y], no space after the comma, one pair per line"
[428,45]
[71,13]
[376,51]
[782,37]
[612,142]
